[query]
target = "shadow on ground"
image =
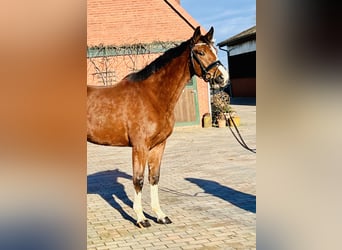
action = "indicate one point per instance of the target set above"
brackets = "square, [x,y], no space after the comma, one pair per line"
[106,185]
[242,200]
[250,101]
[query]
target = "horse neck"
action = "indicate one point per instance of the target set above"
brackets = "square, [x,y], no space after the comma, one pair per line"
[171,81]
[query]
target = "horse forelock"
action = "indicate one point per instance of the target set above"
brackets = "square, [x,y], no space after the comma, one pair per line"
[205,40]
[158,63]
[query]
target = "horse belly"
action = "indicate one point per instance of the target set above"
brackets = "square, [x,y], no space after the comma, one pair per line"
[107,133]
[106,126]
[104,135]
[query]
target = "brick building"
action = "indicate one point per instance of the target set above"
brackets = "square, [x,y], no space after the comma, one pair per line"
[125,35]
[241,56]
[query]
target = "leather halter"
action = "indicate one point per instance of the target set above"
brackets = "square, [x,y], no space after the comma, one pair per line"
[206,75]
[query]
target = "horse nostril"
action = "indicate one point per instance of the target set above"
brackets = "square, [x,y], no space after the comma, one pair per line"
[219,79]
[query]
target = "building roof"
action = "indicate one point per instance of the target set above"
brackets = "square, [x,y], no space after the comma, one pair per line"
[122,22]
[246,35]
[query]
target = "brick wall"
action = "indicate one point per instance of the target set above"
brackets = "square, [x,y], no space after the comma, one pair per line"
[131,21]
[134,21]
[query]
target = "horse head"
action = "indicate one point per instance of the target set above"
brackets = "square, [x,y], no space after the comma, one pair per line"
[204,59]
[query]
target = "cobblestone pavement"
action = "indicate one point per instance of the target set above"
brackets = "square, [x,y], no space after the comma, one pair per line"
[207,188]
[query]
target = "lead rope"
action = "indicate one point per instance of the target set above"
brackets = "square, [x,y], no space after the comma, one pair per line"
[240,141]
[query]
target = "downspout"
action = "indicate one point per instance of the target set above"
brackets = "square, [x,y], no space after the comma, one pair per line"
[227,50]
[229,84]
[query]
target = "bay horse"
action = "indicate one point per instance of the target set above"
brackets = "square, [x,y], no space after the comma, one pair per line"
[138,111]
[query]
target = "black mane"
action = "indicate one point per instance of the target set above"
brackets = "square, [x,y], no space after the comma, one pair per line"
[158,63]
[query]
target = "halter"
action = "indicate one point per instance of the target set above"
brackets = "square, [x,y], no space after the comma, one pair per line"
[206,75]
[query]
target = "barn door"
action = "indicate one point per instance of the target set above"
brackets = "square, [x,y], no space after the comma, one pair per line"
[187,111]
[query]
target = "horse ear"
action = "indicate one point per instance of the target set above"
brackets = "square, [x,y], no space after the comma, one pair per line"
[210,34]
[197,35]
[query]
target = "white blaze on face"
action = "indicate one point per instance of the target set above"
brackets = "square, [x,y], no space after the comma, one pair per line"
[224,73]
[220,67]
[214,51]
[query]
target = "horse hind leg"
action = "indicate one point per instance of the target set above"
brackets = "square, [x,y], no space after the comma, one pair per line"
[154,161]
[139,156]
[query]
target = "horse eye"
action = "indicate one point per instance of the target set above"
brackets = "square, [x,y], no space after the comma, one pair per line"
[201,53]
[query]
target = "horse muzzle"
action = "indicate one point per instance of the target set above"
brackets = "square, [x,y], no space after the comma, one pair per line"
[220,78]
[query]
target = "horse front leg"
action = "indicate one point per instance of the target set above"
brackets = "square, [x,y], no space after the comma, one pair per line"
[139,156]
[154,161]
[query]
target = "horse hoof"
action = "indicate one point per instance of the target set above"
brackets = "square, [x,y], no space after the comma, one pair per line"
[143,224]
[165,220]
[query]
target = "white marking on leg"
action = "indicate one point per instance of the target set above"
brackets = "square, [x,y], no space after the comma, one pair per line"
[155,202]
[138,207]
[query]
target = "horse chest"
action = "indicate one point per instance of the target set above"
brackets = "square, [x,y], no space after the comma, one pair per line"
[162,130]
[161,136]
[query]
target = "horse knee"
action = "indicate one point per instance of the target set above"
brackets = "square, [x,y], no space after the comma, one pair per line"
[138,183]
[154,179]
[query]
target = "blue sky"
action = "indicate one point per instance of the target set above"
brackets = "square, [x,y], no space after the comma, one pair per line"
[228,17]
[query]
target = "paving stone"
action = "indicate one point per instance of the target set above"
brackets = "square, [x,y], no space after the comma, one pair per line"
[207,188]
